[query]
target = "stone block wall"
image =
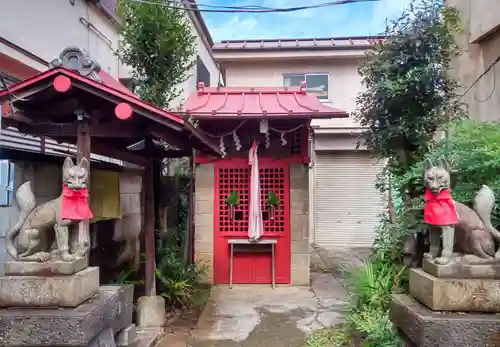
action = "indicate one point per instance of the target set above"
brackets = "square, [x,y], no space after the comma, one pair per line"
[204,218]
[299,224]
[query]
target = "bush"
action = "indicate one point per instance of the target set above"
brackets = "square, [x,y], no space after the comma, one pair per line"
[474,153]
[177,281]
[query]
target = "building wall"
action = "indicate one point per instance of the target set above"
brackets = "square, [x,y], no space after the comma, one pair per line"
[299,221]
[344,82]
[191,84]
[299,224]
[480,44]
[204,218]
[45,28]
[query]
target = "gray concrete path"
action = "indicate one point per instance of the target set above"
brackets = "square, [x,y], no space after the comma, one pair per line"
[258,316]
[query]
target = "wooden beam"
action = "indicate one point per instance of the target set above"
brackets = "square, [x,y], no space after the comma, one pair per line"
[105,148]
[149,229]
[83,151]
[110,129]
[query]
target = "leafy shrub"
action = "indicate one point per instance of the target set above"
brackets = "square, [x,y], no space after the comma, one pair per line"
[177,281]
[474,153]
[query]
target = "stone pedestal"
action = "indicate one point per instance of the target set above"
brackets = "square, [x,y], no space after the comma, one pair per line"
[421,327]
[49,291]
[455,294]
[151,311]
[61,304]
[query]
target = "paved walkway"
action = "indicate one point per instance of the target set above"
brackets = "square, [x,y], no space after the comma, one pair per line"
[258,316]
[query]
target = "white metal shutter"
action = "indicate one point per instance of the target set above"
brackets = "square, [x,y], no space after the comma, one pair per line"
[347,204]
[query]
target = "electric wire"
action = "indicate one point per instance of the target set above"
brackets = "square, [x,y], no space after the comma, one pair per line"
[473,84]
[247,8]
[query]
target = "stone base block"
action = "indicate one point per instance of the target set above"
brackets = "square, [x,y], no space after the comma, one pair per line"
[455,294]
[104,338]
[55,291]
[151,312]
[419,326]
[127,337]
[461,270]
[53,268]
[111,308]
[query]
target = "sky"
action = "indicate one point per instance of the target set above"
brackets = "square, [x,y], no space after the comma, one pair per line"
[355,19]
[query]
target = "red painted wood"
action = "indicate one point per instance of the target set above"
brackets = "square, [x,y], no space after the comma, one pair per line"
[62,84]
[234,174]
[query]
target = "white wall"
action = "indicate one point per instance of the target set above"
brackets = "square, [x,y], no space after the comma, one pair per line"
[46,27]
[190,85]
[479,18]
[344,82]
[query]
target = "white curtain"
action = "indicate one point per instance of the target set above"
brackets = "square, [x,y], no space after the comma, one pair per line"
[255,223]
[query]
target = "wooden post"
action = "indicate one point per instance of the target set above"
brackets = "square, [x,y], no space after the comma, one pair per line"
[149,232]
[82,239]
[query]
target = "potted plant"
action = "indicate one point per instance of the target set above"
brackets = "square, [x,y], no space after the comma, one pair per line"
[232,200]
[271,203]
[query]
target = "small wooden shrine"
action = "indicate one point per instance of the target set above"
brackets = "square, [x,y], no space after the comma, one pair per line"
[75,102]
[242,240]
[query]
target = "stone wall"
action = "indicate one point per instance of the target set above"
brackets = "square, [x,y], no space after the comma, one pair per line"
[299,223]
[299,215]
[204,217]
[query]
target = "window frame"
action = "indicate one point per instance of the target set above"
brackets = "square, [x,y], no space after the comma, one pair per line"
[305,74]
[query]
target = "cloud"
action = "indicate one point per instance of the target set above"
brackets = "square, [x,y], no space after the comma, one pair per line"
[356,19]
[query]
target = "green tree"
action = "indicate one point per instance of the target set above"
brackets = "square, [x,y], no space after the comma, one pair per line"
[409,93]
[157,42]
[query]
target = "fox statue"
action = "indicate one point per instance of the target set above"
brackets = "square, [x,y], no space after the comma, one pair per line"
[464,230]
[32,237]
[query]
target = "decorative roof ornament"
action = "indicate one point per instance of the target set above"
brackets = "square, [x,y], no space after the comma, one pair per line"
[78,60]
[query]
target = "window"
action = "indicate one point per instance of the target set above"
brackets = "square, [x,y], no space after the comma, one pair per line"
[317,83]
[6,183]
[202,73]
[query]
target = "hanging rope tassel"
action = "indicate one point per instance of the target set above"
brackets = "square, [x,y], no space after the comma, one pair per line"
[283,139]
[268,139]
[222,147]
[237,143]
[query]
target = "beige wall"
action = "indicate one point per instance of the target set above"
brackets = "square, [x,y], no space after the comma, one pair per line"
[343,86]
[46,27]
[480,42]
[299,221]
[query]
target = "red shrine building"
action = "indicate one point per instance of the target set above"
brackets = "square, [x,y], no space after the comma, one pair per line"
[252,206]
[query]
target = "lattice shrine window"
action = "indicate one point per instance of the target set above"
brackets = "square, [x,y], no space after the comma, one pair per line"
[273,180]
[230,180]
[238,179]
[295,139]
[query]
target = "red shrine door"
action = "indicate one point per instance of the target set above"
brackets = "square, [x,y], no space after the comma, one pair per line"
[253,266]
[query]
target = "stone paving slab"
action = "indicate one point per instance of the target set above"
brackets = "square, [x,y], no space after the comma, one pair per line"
[255,316]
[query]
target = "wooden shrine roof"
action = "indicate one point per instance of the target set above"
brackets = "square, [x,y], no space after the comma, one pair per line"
[49,104]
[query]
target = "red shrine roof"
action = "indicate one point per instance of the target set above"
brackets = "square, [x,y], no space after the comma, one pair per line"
[75,68]
[267,102]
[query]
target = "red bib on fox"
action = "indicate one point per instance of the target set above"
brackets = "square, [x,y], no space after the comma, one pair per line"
[439,208]
[74,204]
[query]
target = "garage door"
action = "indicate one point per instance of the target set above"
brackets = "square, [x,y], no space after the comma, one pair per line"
[347,204]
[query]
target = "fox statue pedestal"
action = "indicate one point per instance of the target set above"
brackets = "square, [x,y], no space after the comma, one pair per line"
[51,306]
[49,296]
[449,311]
[455,298]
